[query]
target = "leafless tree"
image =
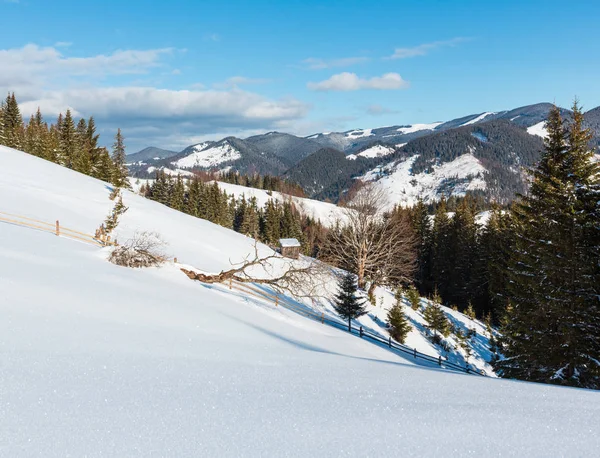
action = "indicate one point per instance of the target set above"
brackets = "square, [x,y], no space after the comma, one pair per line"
[378,246]
[301,278]
[144,249]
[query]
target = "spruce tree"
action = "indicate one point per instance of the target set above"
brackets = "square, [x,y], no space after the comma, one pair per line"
[69,148]
[12,124]
[413,297]
[399,326]
[437,321]
[120,171]
[553,334]
[422,228]
[346,304]
[442,251]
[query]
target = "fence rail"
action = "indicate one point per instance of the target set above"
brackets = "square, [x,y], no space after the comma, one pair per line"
[281,300]
[54,228]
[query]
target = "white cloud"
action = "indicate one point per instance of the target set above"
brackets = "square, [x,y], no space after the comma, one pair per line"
[44,77]
[351,82]
[319,64]
[423,49]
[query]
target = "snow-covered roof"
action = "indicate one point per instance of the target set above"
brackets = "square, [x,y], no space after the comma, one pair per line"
[286,243]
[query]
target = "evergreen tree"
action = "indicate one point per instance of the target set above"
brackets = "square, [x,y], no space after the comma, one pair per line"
[120,171]
[442,251]
[346,304]
[413,297]
[178,195]
[193,197]
[68,141]
[399,326]
[553,335]
[422,228]
[438,323]
[82,162]
[12,124]
[103,167]
[463,246]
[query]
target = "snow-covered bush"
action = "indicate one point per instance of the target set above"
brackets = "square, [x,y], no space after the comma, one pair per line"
[144,249]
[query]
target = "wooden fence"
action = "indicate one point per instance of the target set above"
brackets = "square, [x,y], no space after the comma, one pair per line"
[389,343]
[54,228]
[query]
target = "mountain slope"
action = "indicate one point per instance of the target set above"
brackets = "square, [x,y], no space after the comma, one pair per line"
[289,148]
[100,360]
[150,152]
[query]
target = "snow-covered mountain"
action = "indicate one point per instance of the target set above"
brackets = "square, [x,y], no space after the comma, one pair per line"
[502,142]
[101,360]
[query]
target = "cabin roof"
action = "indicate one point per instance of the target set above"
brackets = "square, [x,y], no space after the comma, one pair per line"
[288,243]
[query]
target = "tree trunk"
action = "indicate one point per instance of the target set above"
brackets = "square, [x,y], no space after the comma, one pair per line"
[371,292]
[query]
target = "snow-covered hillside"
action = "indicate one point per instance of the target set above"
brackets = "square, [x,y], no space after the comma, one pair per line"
[327,213]
[374,151]
[463,174]
[418,127]
[538,129]
[100,360]
[206,156]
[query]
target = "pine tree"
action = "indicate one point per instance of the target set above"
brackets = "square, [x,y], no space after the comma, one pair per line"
[193,197]
[82,162]
[120,171]
[438,323]
[112,220]
[422,227]
[103,167]
[346,304]
[68,141]
[413,297]
[178,195]
[12,124]
[553,335]
[442,251]
[463,242]
[399,326]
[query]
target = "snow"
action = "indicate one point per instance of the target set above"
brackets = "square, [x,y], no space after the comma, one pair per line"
[209,156]
[538,129]
[327,213]
[418,127]
[360,133]
[184,173]
[402,187]
[481,117]
[351,157]
[100,360]
[289,243]
[376,151]
[400,145]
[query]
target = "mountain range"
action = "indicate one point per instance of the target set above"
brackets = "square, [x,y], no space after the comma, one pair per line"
[485,153]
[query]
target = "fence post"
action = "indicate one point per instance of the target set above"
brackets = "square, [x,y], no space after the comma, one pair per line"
[230,283]
[440,360]
[415,353]
[175,260]
[361,331]
[467,368]
[57,228]
[322,317]
[390,342]
[276,301]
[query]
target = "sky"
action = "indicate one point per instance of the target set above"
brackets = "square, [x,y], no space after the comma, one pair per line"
[171,74]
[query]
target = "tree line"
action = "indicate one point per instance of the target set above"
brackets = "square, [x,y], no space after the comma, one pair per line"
[69,142]
[206,200]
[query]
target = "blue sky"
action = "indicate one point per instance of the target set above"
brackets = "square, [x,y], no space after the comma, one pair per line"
[173,73]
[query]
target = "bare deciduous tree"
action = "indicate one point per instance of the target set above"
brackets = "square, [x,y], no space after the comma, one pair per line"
[301,279]
[378,246]
[144,249]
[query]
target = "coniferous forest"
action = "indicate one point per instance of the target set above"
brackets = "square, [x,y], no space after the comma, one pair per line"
[533,269]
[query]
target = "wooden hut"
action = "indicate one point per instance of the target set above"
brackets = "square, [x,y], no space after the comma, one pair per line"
[290,248]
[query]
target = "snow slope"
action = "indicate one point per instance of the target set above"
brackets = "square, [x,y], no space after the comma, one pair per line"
[327,213]
[374,151]
[538,129]
[99,360]
[481,117]
[418,127]
[404,188]
[209,157]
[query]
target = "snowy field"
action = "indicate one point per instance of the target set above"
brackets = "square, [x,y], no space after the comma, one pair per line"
[98,360]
